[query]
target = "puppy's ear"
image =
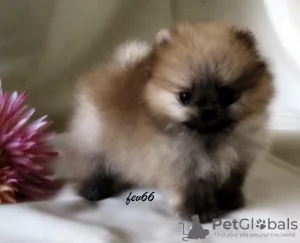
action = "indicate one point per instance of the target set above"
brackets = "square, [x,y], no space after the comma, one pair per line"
[163,36]
[246,36]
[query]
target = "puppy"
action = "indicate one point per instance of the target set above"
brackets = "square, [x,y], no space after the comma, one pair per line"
[186,115]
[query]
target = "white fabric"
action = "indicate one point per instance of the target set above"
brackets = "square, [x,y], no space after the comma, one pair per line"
[272,192]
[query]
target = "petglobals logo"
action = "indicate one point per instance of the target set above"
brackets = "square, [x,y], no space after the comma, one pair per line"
[239,228]
[251,224]
[255,228]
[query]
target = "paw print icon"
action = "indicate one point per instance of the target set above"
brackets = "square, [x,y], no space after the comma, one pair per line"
[261,224]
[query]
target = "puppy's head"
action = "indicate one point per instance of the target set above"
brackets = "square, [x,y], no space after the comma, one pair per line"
[208,76]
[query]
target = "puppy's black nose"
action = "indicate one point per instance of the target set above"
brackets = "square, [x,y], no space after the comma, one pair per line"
[208,115]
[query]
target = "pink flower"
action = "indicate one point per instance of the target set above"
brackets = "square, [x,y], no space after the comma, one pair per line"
[24,152]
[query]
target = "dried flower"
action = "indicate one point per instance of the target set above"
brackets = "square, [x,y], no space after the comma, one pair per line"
[24,152]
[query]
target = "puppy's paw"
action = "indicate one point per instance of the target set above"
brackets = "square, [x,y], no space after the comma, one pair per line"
[95,189]
[199,201]
[208,215]
[230,201]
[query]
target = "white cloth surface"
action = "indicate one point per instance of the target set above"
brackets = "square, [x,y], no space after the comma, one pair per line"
[272,191]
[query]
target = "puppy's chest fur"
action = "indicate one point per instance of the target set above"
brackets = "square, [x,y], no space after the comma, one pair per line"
[150,154]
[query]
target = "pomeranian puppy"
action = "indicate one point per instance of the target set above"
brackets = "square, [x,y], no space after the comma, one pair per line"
[186,115]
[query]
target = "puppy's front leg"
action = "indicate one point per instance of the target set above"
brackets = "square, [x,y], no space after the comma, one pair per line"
[197,198]
[230,194]
[97,187]
[101,183]
[200,199]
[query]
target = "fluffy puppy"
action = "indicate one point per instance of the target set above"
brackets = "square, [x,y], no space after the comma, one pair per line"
[186,115]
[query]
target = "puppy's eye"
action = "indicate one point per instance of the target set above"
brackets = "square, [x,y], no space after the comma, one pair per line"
[185,97]
[227,96]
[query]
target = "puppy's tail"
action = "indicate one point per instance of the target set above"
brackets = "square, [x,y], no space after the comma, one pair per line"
[131,53]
